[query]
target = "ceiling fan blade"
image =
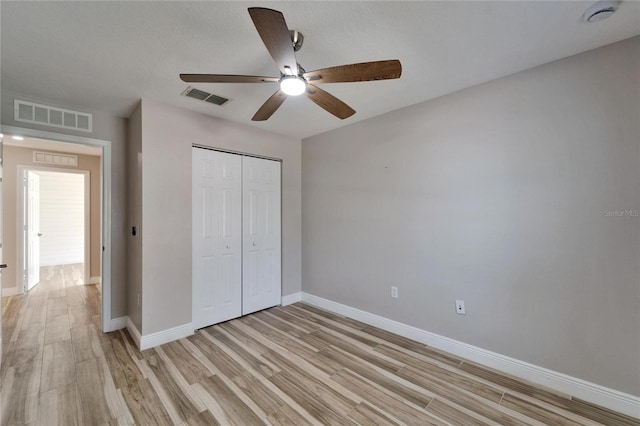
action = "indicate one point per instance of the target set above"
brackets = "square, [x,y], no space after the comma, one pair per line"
[365,71]
[275,35]
[223,78]
[270,106]
[329,102]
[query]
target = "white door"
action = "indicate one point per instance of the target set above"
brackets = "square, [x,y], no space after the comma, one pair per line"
[261,268]
[33,230]
[217,237]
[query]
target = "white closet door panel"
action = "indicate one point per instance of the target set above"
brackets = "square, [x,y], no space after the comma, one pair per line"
[261,234]
[217,237]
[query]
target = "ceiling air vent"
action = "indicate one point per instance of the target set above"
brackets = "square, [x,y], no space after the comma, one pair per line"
[45,115]
[55,158]
[204,96]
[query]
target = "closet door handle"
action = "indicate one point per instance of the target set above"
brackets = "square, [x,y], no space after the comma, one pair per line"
[4,265]
[254,244]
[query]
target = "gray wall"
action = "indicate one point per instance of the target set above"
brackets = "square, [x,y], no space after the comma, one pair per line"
[134,218]
[167,135]
[105,127]
[497,195]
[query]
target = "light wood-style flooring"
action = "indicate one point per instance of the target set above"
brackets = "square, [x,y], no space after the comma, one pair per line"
[295,365]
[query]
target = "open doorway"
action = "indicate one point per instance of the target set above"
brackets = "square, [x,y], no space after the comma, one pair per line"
[56,223]
[100,257]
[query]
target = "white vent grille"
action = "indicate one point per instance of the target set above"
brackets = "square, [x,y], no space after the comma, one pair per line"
[29,112]
[191,92]
[56,158]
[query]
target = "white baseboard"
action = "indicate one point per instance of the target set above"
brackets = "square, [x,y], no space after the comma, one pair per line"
[591,392]
[133,332]
[165,336]
[94,280]
[11,291]
[291,298]
[118,323]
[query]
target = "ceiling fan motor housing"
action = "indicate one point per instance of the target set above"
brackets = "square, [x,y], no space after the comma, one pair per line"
[297,38]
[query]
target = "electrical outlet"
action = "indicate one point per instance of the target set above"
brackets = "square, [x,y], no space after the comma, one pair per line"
[460,307]
[394,292]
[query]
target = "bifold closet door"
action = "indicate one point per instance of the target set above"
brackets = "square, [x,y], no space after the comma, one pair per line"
[261,251]
[217,237]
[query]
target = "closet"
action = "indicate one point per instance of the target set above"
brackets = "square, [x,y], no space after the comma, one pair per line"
[236,235]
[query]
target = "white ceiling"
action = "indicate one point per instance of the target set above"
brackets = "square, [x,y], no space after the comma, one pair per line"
[104,56]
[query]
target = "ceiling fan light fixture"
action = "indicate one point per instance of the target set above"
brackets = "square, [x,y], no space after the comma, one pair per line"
[293,85]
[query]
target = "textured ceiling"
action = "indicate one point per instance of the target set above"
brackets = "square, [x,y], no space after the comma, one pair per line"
[104,56]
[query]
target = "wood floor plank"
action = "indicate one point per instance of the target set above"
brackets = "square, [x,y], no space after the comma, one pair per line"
[236,350]
[320,408]
[384,400]
[460,397]
[287,416]
[236,411]
[370,356]
[512,383]
[91,389]
[290,322]
[453,415]
[175,396]
[365,414]
[59,406]
[85,343]
[413,346]
[21,388]
[334,395]
[302,307]
[225,363]
[259,393]
[390,381]
[291,365]
[203,419]
[57,329]
[599,414]
[536,411]
[474,386]
[190,368]
[58,366]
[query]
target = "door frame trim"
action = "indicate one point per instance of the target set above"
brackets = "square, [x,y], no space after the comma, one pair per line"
[106,203]
[22,169]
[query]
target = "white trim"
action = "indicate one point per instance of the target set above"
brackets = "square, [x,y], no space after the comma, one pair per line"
[591,392]
[165,336]
[106,203]
[133,332]
[291,298]
[119,323]
[11,291]
[94,280]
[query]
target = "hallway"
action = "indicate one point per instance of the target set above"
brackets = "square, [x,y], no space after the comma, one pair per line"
[50,336]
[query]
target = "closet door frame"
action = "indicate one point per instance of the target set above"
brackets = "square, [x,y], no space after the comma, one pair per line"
[242,155]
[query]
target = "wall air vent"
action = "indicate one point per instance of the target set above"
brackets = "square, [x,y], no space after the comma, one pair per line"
[56,158]
[204,96]
[45,115]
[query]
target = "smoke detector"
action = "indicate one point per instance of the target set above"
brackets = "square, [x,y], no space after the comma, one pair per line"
[601,10]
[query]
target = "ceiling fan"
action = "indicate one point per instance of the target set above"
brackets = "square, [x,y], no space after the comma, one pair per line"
[294,80]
